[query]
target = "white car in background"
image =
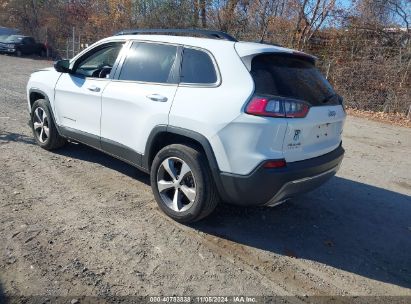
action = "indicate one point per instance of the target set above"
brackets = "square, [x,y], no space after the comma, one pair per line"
[211,119]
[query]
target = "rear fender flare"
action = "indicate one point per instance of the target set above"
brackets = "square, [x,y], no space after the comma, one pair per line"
[199,138]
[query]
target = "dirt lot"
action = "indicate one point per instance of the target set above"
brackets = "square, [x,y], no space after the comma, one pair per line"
[77,222]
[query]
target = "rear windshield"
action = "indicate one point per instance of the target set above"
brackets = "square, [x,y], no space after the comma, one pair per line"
[291,76]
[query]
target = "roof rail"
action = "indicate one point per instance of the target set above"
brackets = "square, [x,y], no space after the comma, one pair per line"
[206,33]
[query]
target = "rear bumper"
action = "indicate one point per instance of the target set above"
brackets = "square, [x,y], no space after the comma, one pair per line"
[270,186]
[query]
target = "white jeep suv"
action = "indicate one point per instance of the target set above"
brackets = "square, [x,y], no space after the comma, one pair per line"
[211,119]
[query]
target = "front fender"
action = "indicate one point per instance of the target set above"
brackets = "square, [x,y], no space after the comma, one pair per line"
[43,82]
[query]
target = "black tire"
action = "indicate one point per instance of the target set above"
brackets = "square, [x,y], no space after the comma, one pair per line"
[206,198]
[19,53]
[53,140]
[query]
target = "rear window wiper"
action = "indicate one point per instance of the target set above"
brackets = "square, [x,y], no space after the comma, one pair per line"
[329,97]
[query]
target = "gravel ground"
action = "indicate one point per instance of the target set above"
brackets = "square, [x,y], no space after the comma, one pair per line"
[76,222]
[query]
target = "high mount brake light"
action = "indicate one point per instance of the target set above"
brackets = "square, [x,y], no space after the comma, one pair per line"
[277,107]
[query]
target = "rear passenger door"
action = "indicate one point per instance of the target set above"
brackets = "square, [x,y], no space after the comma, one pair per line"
[139,98]
[200,84]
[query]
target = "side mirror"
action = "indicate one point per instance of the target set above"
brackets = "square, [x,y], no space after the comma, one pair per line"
[62,66]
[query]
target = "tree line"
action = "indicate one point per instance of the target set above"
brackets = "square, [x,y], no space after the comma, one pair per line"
[363,45]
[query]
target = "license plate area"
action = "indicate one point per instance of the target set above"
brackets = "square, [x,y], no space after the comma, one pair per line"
[299,137]
[324,132]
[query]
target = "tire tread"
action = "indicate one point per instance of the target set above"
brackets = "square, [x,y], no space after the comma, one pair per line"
[209,204]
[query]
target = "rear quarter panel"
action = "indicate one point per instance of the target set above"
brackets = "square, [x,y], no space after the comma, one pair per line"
[208,110]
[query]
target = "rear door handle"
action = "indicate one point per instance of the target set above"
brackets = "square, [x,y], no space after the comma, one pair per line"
[94,88]
[157,97]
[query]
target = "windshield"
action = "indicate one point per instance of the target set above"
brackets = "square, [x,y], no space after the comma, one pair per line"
[14,38]
[291,76]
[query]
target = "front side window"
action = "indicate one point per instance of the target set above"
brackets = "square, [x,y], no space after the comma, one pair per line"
[98,62]
[149,62]
[197,68]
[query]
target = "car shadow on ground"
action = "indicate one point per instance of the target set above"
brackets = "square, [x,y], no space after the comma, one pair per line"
[3,298]
[85,153]
[345,224]
[6,137]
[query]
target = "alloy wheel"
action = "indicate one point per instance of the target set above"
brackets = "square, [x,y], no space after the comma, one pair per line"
[41,124]
[176,184]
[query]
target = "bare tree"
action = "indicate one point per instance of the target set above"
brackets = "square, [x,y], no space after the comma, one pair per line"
[226,14]
[203,13]
[311,15]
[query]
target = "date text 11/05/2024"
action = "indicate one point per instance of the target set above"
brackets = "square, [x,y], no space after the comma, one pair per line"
[200,299]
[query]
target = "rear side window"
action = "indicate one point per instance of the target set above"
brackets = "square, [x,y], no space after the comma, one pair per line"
[291,76]
[149,62]
[197,68]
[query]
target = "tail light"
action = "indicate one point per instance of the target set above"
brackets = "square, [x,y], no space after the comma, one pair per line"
[271,164]
[277,107]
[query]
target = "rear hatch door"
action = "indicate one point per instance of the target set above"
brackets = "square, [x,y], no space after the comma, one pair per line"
[295,76]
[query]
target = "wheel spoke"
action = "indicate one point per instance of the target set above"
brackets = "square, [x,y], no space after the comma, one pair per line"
[36,112]
[177,194]
[36,125]
[170,169]
[164,185]
[44,117]
[47,131]
[190,193]
[184,170]
[177,200]
[41,135]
